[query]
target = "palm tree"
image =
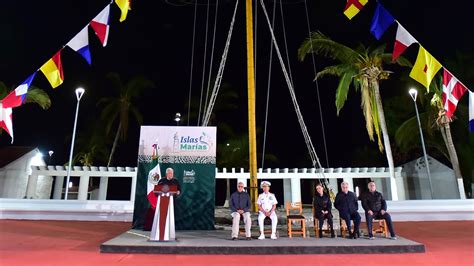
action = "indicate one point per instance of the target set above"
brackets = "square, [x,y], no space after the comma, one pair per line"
[363,68]
[121,107]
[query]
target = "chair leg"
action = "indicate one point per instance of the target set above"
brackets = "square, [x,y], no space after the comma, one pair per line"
[303,225]
[385,228]
[290,233]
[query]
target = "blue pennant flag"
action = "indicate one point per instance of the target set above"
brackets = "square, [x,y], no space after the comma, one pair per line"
[381,21]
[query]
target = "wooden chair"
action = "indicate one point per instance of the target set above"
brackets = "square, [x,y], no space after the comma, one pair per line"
[294,214]
[344,228]
[382,229]
[326,229]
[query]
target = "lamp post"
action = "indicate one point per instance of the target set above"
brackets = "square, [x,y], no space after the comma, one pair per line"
[413,93]
[177,118]
[79,92]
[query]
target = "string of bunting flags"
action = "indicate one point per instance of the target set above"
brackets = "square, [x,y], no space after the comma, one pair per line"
[425,67]
[53,70]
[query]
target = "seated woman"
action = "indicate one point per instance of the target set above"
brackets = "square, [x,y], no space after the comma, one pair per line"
[322,209]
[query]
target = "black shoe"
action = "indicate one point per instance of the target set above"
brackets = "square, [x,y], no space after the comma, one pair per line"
[248,238]
[234,238]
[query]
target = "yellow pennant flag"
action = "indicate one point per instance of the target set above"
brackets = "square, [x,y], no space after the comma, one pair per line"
[353,7]
[425,68]
[124,6]
[53,70]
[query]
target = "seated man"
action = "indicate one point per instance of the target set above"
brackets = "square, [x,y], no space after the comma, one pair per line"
[240,206]
[346,204]
[322,209]
[266,208]
[376,208]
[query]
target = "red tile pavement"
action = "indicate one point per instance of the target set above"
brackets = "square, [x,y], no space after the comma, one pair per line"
[77,243]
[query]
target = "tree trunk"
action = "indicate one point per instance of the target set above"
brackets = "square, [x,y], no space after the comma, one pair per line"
[386,140]
[453,156]
[117,134]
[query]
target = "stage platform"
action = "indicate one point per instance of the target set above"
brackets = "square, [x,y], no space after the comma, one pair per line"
[219,242]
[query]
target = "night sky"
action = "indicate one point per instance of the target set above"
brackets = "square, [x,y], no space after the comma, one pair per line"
[156,41]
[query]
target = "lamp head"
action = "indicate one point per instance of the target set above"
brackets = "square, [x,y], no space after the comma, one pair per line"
[413,93]
[79,92]
[50,153]
[177,117]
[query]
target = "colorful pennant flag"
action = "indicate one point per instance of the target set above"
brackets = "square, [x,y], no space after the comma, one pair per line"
[80,44]
[100,24]
[124,6]
[425,68]
[353,7]
[471,111]
[53,70]
[402,41]
[154,174]
[453,90]
[381,21]
[17,97]
[6,120]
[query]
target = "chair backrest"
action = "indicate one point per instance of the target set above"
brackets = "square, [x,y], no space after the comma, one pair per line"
[294,208]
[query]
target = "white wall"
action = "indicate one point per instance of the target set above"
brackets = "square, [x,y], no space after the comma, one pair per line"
[14,178]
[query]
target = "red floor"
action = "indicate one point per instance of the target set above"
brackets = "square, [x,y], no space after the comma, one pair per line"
[77,243]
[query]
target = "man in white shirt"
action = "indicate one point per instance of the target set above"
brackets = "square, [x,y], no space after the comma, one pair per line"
[266,208]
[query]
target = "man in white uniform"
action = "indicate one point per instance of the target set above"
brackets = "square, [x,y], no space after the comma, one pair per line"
[266,208]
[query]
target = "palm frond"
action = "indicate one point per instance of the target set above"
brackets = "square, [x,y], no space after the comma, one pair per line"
[366,105]
[115,80]
[342,90]
[329,71]
[137,85]
[3,90]
[320,44]
[38,96]
[401,60]
[377,51]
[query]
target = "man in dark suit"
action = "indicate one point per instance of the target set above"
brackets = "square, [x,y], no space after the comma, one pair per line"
[375,207]
[346,204]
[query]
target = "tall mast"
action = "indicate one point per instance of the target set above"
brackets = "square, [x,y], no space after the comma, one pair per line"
[251,107]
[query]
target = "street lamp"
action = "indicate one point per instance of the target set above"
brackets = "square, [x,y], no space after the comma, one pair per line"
[79,92]
[177,118]
[413,93]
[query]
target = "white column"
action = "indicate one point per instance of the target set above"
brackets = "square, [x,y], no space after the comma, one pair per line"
[462,195]
[104,181]
[134,186]
[83,187]
[295,189]
[333,185]
[286,191]
[393,189]
[31,186]
[58,187]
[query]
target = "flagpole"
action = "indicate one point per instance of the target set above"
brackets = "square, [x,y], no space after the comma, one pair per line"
[251,107]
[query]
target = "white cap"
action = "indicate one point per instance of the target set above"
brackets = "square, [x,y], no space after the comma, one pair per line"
[265,183]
